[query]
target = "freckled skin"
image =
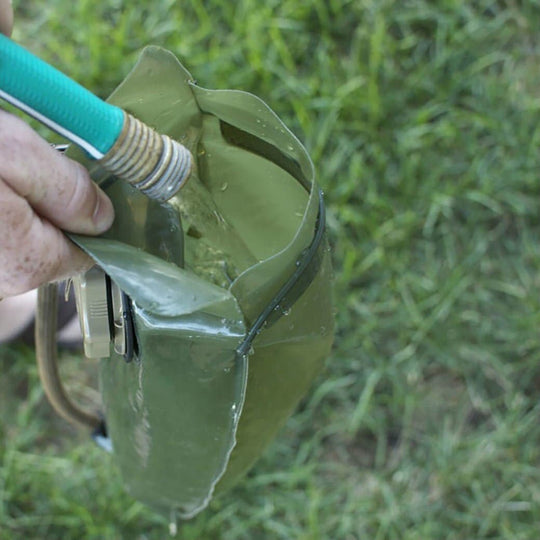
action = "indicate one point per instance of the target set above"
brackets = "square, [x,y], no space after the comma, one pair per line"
[42,193]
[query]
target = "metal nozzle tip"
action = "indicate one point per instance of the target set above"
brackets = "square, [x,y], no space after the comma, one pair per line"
[170,173]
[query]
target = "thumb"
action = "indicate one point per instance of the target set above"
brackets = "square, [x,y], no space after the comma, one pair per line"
[58,188]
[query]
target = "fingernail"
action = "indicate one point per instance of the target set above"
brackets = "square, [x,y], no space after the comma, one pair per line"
[103,213]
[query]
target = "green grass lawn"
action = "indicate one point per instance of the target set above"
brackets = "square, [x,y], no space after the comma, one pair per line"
[422,118]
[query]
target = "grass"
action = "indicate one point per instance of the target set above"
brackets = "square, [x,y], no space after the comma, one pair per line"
[422,118]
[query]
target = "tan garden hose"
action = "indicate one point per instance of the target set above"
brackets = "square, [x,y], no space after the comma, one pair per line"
[47,361]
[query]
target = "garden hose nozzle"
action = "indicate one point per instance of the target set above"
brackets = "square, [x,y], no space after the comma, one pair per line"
[153,163]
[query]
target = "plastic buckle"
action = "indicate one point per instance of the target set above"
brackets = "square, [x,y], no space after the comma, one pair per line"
[104,315]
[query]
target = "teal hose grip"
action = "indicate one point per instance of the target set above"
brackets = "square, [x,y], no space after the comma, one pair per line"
[153,163]
[62,104]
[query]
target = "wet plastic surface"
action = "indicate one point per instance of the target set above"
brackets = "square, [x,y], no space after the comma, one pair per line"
[191,413]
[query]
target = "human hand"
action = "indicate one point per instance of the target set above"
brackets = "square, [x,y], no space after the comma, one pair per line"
[42,193]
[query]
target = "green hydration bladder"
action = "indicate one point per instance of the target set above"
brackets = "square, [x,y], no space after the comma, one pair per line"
[228,285]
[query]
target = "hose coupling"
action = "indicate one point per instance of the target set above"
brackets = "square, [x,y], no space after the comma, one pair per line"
[153,163]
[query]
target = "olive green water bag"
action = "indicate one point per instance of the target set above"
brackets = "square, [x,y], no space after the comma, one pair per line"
[229,288]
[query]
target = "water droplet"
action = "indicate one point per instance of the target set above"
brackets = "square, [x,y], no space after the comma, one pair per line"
[286,311]
[224,186]
[173,523]
[251,351]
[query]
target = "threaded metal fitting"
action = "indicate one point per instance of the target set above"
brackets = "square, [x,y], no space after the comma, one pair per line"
[153,163]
